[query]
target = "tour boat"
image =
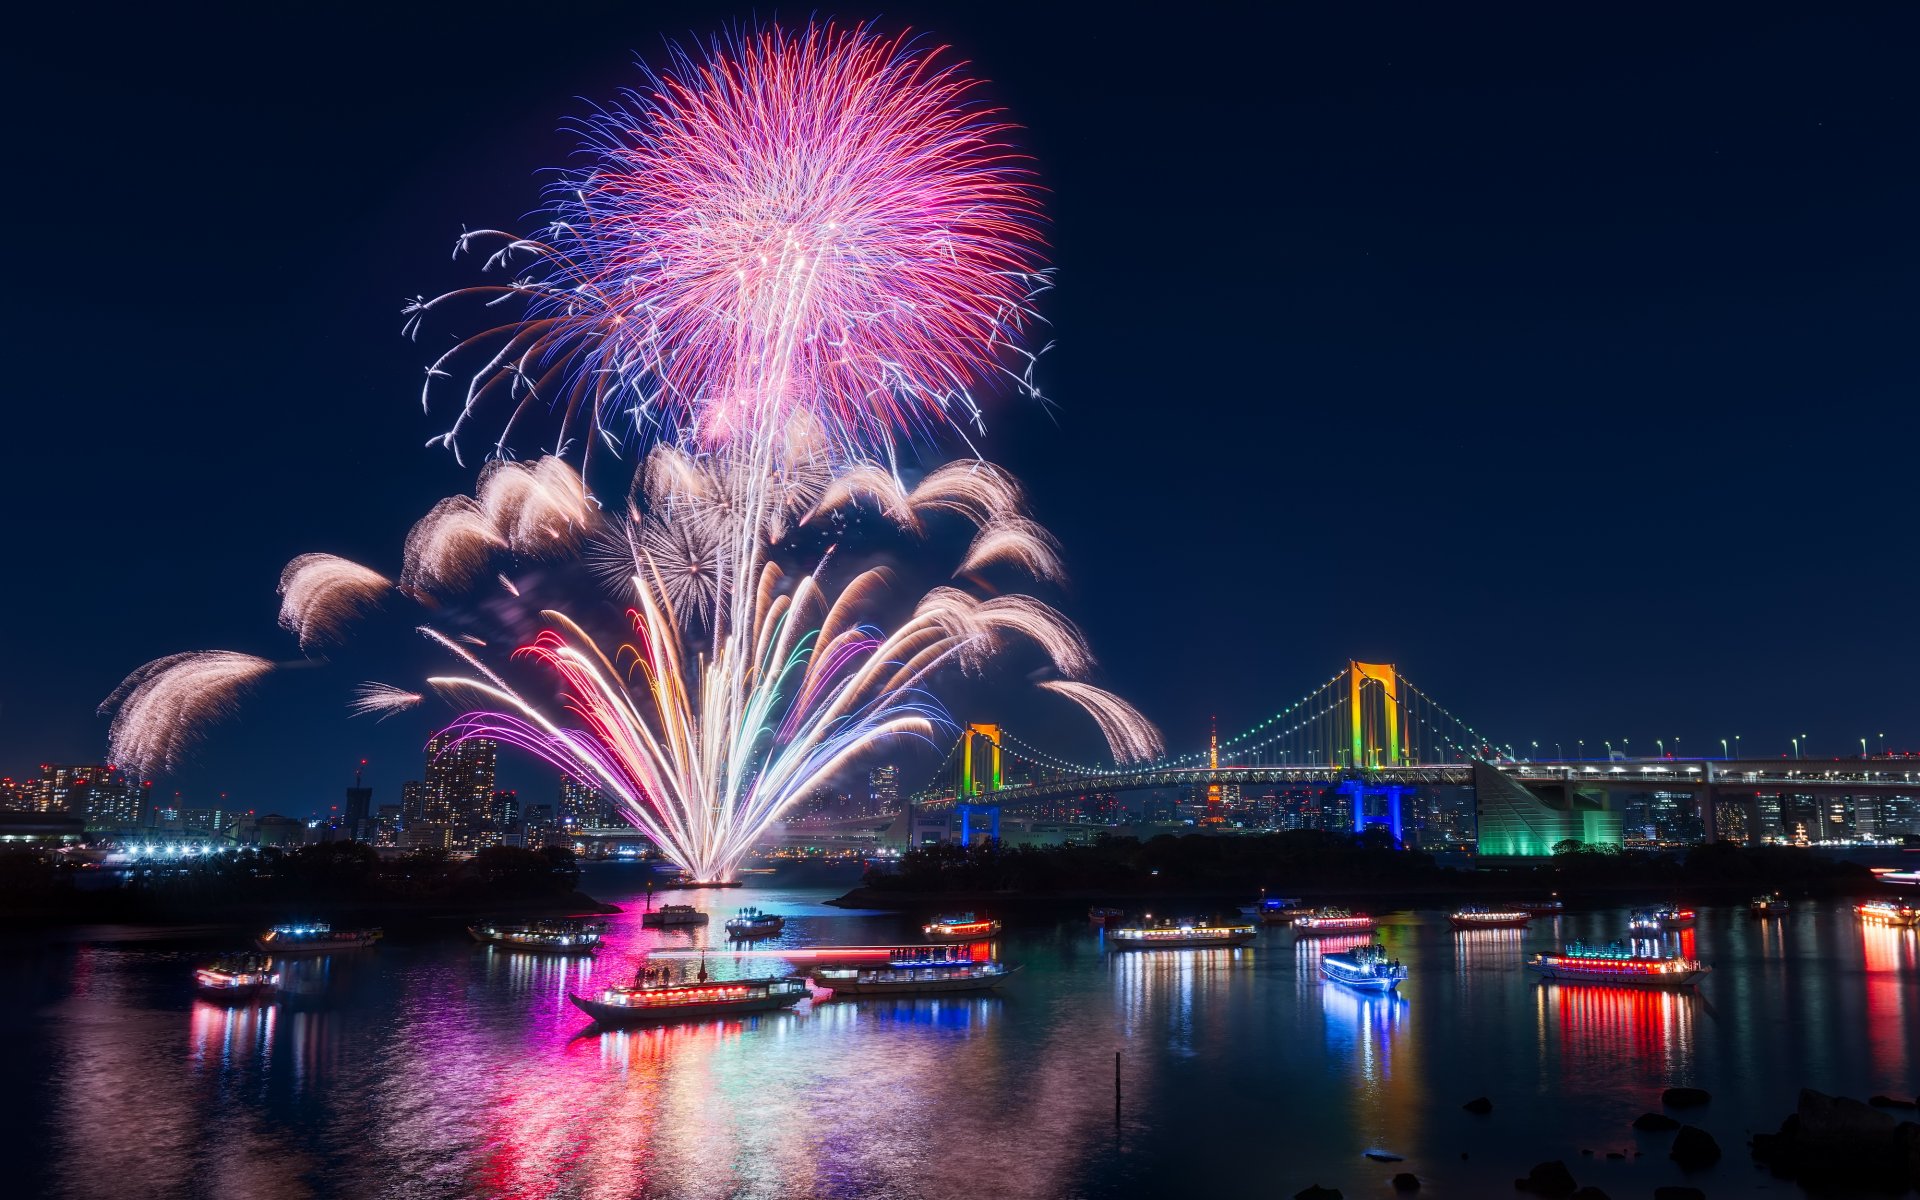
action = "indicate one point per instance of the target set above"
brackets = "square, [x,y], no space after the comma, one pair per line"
[688,881]
[1275,910]
[1476,917]
[1886,912]
[557,935]
[314,937]
[915,971]
[961,927]
[1542,908]
[1364,968]
[669,915]
[680,1001]
[1773,904]
[237,977]
[1654,920]
[1104,917]
[1617,966]
[1331,920]
[752,923]
[1178,935]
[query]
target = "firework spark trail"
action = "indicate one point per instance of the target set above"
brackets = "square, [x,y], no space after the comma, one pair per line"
[538,509]
[321,593]
[448,547]
[161,709]
[825,219]
[1130,736]
[1015,541]
[384,699]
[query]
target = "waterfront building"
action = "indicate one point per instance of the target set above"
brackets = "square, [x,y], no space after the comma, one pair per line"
[358,808]
[1514,822]
[583,806]
[883,790]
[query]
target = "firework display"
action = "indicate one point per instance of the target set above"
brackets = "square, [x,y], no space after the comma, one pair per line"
[827,220]
[786,258]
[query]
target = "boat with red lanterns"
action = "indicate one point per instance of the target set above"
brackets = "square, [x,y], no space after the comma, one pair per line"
[960,927]
[1888,912]
[1319,922]
[1617,966]
[1477,917]
[645,1004]
[1170,934]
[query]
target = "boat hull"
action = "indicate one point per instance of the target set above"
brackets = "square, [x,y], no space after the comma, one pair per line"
[1673,981]
[1519,922]
[1194,942]
[957,938]
[911,987]
[541,947]
[1377,984]
[620,1014]
[656,921]
[332,946]
[1336,928]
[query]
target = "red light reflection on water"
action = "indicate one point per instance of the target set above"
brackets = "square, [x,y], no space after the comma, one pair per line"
[1632,1037]
[1892,956]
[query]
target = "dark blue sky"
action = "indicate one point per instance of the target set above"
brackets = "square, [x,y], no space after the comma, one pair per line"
[1563,358]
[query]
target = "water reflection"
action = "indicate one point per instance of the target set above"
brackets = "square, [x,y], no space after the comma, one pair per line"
[1156,988]
[1889,954]
[1362,1028]
[1628,1036]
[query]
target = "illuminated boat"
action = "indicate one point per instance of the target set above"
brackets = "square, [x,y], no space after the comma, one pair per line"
[1773,904]
[684,1001]
[1331,920]
[1901,878]
[1180,935]
[752,923]
[915,971]
[1542,908]
[1276,910]
[1364,968]
[1104,917]
[960,927]
[1655,920]
[1886,912]
[668,916]
[555,935]
[314,937]
[688,881]
[1617,966]
[239,977]
[1476,917]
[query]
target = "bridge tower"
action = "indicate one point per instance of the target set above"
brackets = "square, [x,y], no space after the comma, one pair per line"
[971,784]
[1373,709]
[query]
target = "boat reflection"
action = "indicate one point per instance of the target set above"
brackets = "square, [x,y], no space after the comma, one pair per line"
[1891,955]
[1628,1035]
[1159,994]
[226,1032]
[1487,950]
[1362,1028]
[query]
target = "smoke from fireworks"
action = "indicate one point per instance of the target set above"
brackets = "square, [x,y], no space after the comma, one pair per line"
[162,708]
[825,220]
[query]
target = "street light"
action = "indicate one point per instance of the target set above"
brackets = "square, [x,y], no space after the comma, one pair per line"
[1796,747]
[1723,748]
[1559,753]
[1863,747]
[1582,744]
[1662,746]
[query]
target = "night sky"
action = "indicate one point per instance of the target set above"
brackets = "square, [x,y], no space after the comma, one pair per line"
[1565,359]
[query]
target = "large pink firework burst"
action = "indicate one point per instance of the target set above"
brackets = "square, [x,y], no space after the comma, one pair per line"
[826,219]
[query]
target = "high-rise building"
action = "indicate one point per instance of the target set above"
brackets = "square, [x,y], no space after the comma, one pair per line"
[503,811]
[460,783]
[414,802]
[386,826]
[109,799]
[541,829]
[16,795]
[56,785]
[359,806]
[883,790]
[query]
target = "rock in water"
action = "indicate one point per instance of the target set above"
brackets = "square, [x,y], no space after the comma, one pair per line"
[1591,1193]
[1316,1192]
[1832,1142]
[1694,1148]
[1654,1123]
[1685,1097]
[1548,1179]
[1890,1102]
[1678,1191]
[1479,1104]
[1406,1181]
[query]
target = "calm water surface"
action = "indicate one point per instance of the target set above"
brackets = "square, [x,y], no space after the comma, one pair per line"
[448,1069]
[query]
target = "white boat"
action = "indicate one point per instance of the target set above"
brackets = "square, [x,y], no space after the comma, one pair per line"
[1364,968]
[918,971]
[1180,935]
[670,915]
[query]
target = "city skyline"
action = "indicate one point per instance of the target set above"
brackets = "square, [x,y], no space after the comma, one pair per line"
[1548,606]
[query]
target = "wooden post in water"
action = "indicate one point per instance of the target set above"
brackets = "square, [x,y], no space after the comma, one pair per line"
[1116,1088]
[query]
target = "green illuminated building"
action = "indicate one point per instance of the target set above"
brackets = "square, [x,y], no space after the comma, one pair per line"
[1517,823]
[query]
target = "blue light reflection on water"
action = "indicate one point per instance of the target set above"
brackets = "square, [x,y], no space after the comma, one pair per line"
[450,1069]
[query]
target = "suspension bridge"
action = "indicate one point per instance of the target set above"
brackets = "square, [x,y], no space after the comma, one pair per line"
[1368,738]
